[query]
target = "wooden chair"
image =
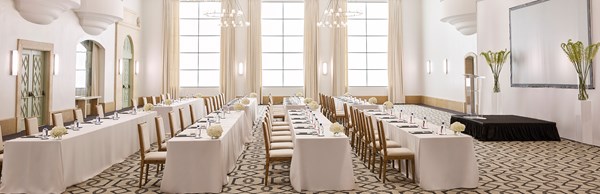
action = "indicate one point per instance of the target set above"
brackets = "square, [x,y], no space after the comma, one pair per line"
[57,120]
[1,150]
[182,121]
[31,126]
[163,97]
[272,155]
[100,110]
[160,135]
[278,145]
[281,131]
[147,157]
[273,122]
[172,124]
[339,116]
[392,154]
[214,103]
[193,115]
[78,115]
[374,140]
[169,96]
[134,103]
[145,101]
[207,105]
[272,138]
[153,100]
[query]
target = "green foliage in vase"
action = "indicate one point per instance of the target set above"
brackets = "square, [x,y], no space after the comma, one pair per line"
[581,57]
[496,60]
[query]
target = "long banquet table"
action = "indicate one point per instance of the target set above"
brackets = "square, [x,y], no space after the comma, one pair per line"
[319,163]
[201,165]
[163,111]
[32,165]
[442,161]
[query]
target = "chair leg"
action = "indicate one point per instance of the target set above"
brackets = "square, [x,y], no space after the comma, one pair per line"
[267,173]
[157,168]
[383,169]
[147,172]
[141,174]
[412,165]
[381,164]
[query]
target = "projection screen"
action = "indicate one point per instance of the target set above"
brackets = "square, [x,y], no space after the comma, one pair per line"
[536,31]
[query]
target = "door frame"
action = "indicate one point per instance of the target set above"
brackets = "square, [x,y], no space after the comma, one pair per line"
[475,72]
[48,50]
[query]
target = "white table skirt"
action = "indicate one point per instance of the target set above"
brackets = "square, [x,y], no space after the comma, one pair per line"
[163,111]
[201,165]
[32,165]
[321,163]
[441,161]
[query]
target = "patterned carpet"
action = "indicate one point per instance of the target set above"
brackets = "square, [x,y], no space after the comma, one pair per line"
[505,167]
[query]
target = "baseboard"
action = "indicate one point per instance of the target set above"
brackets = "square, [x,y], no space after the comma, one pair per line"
[436,102]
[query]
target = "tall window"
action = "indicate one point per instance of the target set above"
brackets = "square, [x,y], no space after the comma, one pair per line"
[81,67]
[282,43]
[199,44]
[367,44]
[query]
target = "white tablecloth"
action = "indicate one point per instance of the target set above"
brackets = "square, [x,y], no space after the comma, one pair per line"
[163,111]
[320,163]
[32,165]
[201,165]
[340,101]
[442,161]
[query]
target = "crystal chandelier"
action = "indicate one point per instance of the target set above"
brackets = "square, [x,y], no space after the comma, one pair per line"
[231,15]
[336,17]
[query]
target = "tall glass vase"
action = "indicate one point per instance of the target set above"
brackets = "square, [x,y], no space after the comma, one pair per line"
[582,95]
[496,84]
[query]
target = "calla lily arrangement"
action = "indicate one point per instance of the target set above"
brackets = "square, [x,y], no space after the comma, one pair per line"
[496,60]
[582,58]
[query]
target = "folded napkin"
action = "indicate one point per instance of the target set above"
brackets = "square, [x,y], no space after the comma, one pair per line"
[387,117]
[299,118]
[302,127]
[408,125]
[396,121]
[300,122]
[31,136]
[182,135]
[421,132]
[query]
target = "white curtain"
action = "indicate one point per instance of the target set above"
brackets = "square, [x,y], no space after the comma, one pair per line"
[340,57]
[171,47]
[228,68]
[395,85]
[254,49]
[311,50]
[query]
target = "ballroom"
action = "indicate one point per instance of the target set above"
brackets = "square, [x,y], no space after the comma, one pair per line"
[299,96]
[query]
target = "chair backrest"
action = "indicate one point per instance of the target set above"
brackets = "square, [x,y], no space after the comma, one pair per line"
[160,135]
[163,97]
[382,138]
[332,106]
[141,128]
[1,140]
[78,115]
[214,103]
[371,130]
[360,123]
[57,120]
[31,126]
[348,115]
[267,140]
[100,110]
[173,123]
[169,96]
[145,101]
[134,102]
[193,114]
[271,99]
[222,99]
[153,99]
[207,106]
[182,121]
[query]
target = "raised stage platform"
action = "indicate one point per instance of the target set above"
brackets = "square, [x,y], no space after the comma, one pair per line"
[508,128]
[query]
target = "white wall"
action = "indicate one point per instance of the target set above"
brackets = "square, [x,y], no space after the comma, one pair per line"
[65,33]
[551,104]
[412,47]
[151,62]
[442,41]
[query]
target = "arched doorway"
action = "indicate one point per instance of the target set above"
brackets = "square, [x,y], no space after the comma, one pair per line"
[471,84]
[126,72]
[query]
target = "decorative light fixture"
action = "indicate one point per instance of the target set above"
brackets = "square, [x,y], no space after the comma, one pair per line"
[56,64]
[120,66]
[324,68]
[241,68]
[336,17]
[446,66]
[137,67]
[231,15]
[15,62]
[428,67]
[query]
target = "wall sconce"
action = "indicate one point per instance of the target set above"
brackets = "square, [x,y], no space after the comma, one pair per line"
[14,61]
[56,64]
[446,66]
[428,67]
[120,66]
[241,68]
[325,68]
[137,67]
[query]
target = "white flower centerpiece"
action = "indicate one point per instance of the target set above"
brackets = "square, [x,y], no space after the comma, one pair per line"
[245,101]
[253,95]
[457,127]
[214,131]
[347,94]
[388,106]
[238,107]
[168,102]
[336,128]
[373,100]
[58,132]
[313,105]
[299,94]
[148,107]
[197,95]
[308,100]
